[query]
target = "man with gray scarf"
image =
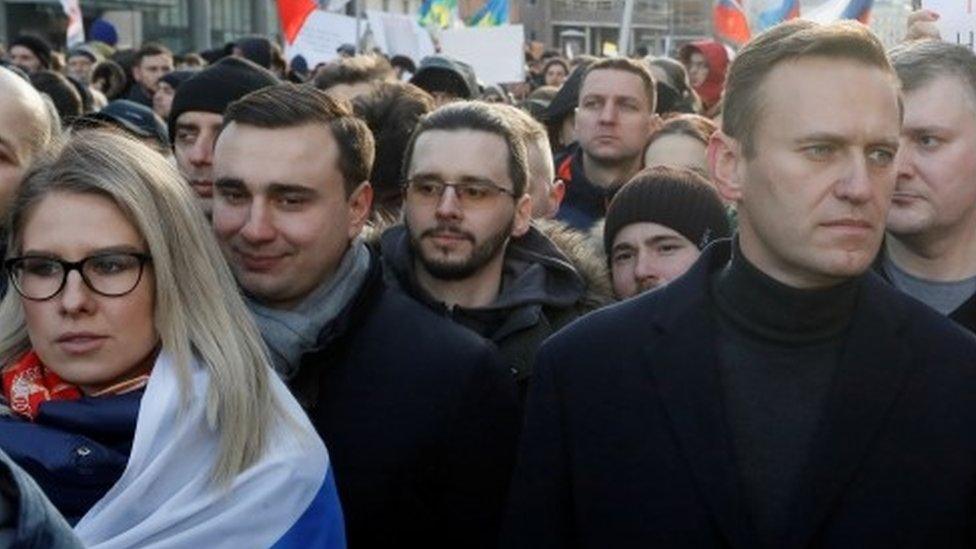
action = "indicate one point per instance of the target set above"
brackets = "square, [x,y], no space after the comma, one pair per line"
[419,416]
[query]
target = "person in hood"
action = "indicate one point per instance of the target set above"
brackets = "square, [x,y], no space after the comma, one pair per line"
[706,62]
[447,79]
[30,52]
[467,248]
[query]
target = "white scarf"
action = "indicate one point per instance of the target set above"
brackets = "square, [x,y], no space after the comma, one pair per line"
[165,497]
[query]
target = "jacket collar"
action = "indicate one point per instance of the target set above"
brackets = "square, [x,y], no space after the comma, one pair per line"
[684,365]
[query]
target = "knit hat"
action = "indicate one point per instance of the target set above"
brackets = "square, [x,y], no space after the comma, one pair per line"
[217,86]
[678,199]
[37,45]
[176,78]
[104,32]
[257,49]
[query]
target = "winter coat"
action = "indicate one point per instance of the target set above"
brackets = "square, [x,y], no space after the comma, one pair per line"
[627,442]
[76,450]
[420,419]
[27,518]
[542,291]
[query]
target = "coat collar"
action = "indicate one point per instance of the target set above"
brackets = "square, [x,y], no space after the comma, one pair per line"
[684,364]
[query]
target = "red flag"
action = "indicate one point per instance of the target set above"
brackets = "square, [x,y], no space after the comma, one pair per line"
[292,14]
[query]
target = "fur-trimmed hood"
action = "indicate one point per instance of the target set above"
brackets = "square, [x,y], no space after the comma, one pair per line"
[579,250]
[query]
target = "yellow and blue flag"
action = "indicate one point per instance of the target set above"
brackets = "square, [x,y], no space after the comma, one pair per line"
[438,13]
[492,14]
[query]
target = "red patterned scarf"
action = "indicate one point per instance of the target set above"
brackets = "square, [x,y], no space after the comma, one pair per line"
[27,384]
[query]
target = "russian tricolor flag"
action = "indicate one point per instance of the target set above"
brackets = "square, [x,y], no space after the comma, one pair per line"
[731,23]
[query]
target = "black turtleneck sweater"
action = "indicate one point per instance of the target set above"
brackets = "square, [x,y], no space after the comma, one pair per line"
[778,347]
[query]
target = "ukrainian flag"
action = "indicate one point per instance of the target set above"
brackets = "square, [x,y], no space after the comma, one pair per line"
[438,13]
[492,14]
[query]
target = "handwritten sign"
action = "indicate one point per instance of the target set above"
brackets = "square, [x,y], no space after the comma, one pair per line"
[321,35]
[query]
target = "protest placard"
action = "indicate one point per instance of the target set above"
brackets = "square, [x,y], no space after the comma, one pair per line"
[496,53]
[321,35]
[399,34]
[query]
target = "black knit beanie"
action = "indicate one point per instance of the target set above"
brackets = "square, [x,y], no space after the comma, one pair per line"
[37,45]
[217,86]
[680,200]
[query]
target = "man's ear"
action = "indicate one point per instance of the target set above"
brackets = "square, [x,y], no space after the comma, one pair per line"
[360,202]
[724,158]
[523,215]
[557,191]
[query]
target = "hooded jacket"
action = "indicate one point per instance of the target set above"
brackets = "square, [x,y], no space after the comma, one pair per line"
[541,291]
[717,58]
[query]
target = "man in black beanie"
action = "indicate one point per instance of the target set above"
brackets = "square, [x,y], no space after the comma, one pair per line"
[197,114]
[656,227]
[30,53]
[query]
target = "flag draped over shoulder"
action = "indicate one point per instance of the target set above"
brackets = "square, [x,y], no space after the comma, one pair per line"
[292,14]
[438,13]
[492,14]
[731,23]
[165,496]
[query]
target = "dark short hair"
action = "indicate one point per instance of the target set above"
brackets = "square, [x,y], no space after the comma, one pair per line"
[795,39]
[63,94]
[920,62]
[353,70]
[626,65]
[150,49]
[290,105]
[482,117]
[391,111]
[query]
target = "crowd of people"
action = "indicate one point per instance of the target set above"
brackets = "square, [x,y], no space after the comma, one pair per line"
[725,299]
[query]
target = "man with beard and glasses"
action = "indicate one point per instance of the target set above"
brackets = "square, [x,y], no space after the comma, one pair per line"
[467,248]
[419,415]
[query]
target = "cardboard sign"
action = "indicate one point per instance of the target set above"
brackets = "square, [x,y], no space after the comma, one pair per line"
[496,53]
[322,35]
[400,34]
[957,20]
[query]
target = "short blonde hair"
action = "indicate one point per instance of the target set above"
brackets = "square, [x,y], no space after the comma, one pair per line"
[199,313]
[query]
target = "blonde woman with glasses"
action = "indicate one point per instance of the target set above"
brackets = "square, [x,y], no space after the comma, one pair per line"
[138,392]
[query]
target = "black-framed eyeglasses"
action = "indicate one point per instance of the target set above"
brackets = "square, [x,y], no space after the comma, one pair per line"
[111,274]
[469,193]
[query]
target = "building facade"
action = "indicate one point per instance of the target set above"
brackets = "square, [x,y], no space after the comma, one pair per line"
[593,26]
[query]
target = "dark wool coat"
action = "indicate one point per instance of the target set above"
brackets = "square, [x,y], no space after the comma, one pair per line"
[420,419]
[627,444]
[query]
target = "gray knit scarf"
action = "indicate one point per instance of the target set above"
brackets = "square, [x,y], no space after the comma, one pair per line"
[290,334]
